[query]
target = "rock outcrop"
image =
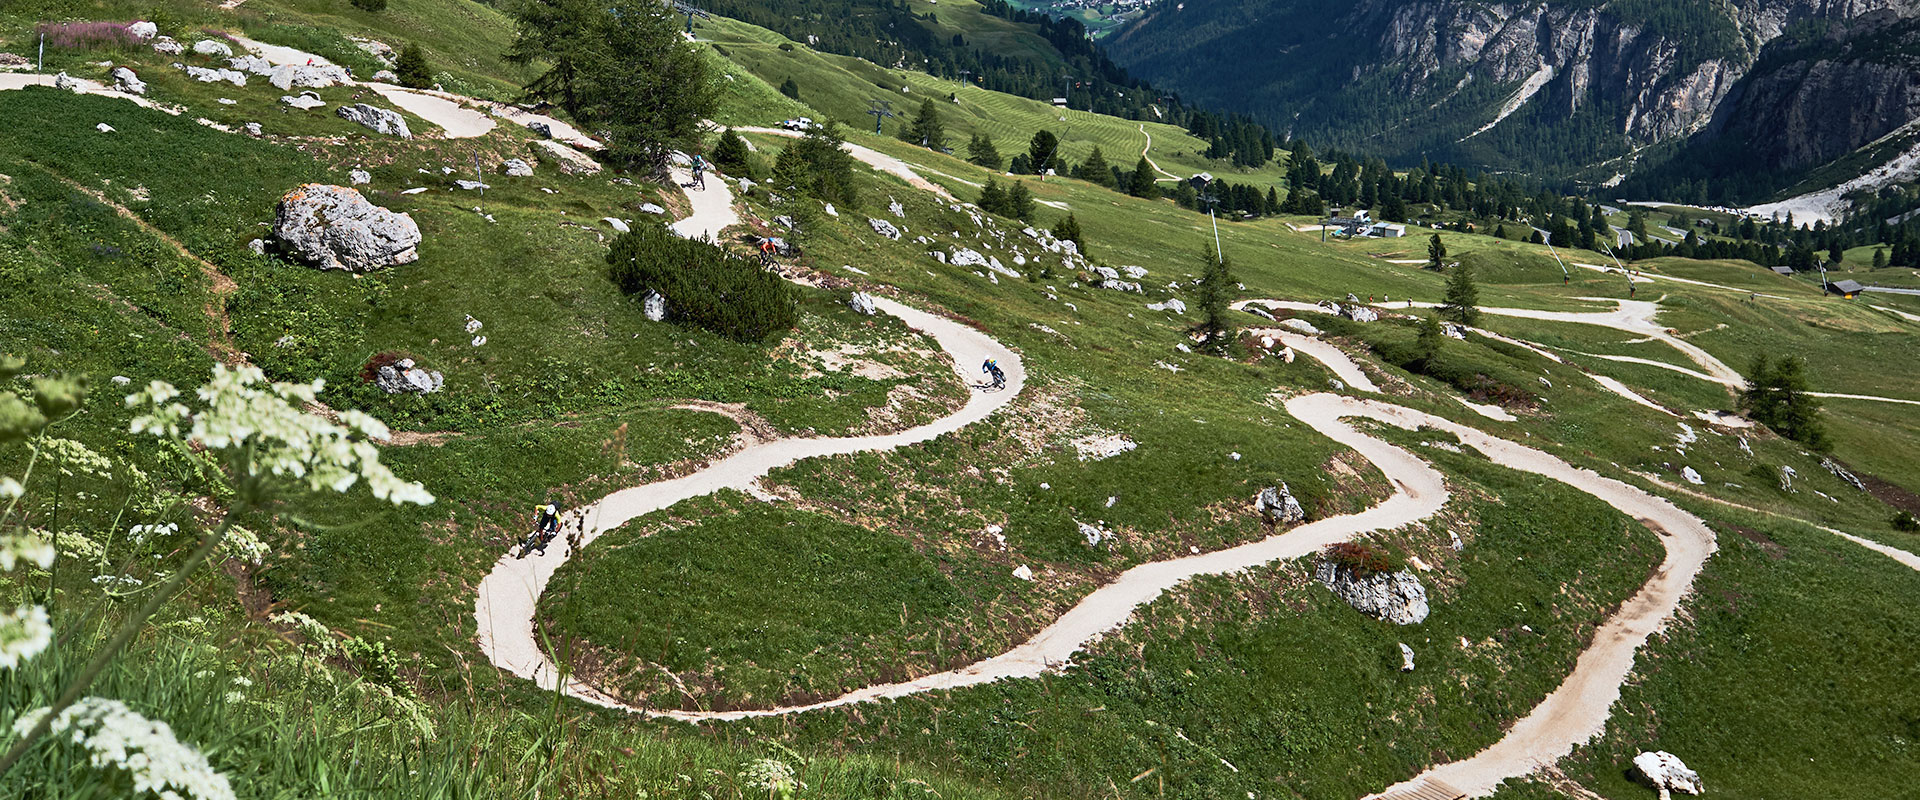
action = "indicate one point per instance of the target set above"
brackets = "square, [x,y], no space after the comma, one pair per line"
[862,303]
[125,81]
[379,120]
[884,228]
[517,168]
[569,160]
[1397,597]
[1666,774]
[210,47]
[1278,507]
[305,101]
[404,377]
[334,227]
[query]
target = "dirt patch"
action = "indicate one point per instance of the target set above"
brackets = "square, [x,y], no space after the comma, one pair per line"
[1896,496]
[1773,549]
[754,429]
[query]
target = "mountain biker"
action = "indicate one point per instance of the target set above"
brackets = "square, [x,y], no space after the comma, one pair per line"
[699,170]
[546,524]
[992,367]
[767,250]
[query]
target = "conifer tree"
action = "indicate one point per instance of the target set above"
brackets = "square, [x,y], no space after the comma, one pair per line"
[1042,151]
[927,130]
[1068,230]
[411,67]
[1777,396]
[1096,169]
[1213,297]
[731,155]
[980,150]
[789,88]
[1020,202]
[1436,252]
[993,198]
[1462,303]
[1142,183]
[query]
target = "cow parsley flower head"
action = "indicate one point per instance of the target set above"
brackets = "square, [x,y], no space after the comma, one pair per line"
[24,633]
[18,547]
[116,737]
[244,544]
[10,488]
[243,413]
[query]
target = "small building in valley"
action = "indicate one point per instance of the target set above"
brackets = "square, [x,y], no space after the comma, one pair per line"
[1387,230]
[1847,288]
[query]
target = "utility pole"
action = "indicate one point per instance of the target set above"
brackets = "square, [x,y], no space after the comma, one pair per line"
[1204,183]
[880,109]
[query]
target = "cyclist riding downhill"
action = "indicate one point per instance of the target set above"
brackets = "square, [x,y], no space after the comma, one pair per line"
[546,525]
[767,251]
[992,367]
[699,172]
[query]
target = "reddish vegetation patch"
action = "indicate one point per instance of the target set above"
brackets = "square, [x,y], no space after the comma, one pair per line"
[371,369]
[86,35]
[1362,558]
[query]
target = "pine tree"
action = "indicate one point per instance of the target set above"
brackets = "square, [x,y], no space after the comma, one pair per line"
[1042,150]
[1096,169]
[731,155]
[1436,252]
[1879,258]
[1427,345]
[411,67]
[993,198]
[1020,202]
[1462,303]
[1500,231]
[1068,230]
[1836,253]
[1142,184]
[1212,298]
[980,150]
[789,88]
[927,129]
[1777,396]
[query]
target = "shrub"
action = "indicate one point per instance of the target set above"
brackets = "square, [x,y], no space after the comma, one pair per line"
[373,6]
[86,35]
[1905,521]
[1365,559]
[704,285]
[411,67]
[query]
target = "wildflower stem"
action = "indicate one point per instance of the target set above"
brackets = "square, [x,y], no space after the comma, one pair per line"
[120,639]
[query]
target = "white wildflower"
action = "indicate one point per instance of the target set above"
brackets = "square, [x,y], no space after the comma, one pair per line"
[319,637]
[29,546]
[139,534]
[78,545]
[116,737]
[243,411]
[772,776]
[10,488]
[24,633]
[243,544]
[74,459]
[112,582]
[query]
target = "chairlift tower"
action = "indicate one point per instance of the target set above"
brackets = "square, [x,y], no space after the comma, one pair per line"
[881,110]
[691,11]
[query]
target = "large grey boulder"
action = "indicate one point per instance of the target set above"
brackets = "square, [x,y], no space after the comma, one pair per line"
[1173,304]
[1359,313]
[385,76]
[304,102]
[967,258]
[884,228]
[333,227]
[143,30]
[210,47]
[654,306]
[204,75]
[166,46]
[125,81]
[862,303]
[1277,506]
[1843,473]
[1666,773]
[1300,325]
[569,160]
[67,83]
[380,120]
[1396,597]
[289,76]
[403,376]
[360,177]
[517,168]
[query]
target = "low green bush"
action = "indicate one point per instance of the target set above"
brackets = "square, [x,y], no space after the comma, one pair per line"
[704,285]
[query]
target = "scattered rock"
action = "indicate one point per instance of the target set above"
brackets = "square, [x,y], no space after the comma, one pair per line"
[1453,330]
[66,83]
[11,61]
[125,81]
[569,160]
[1396,597]
[617,224]
[472,185]
[1843,473]
[831,211]
[1359,313]
[654,305]
[745,185]
[967,258]
[1300,325]
[334,227]
[209,47]
[862,303]
[1023,572]
[1786,478]
[380,120]
[386,76]
[1406,658]
[653,208]
[1172,304]
[204,75]
[103,128]
[1666,773]
[166,46]
[360,177]
[1093,535]
[1103,446]
[258,247]
[143,30]
[253,129]
[517,168]
[1277,506]
[884,228]
[306,100]
[403,376]
[1691,476]
[540,129]
[1745,447]
[377,49]
[897,209]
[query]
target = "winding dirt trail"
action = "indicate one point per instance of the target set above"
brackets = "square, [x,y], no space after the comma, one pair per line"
[1150,161]
[870,157]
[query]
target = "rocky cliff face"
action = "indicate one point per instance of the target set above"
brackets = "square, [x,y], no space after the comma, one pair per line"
[1517,85]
